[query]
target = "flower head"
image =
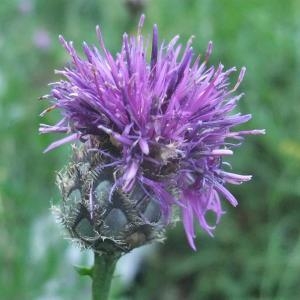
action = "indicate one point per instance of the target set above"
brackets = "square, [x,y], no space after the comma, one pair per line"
[165,123]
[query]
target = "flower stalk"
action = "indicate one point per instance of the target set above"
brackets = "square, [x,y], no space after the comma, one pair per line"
[103,270]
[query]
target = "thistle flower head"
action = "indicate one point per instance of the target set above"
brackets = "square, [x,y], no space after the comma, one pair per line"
[159,117]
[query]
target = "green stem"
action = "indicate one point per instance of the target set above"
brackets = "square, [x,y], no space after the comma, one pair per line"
[103,270]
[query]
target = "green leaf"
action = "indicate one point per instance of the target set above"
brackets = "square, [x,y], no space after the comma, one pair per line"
[84,271]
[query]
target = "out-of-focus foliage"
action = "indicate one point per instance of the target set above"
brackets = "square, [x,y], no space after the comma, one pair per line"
[256,251]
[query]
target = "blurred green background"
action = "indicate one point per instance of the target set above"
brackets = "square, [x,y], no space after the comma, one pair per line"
[256,250]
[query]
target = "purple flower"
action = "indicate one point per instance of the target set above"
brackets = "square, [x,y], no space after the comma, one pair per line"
[165,122]
[25,6]
[41,39]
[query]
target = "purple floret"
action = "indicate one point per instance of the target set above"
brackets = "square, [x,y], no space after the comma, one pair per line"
[168,120]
